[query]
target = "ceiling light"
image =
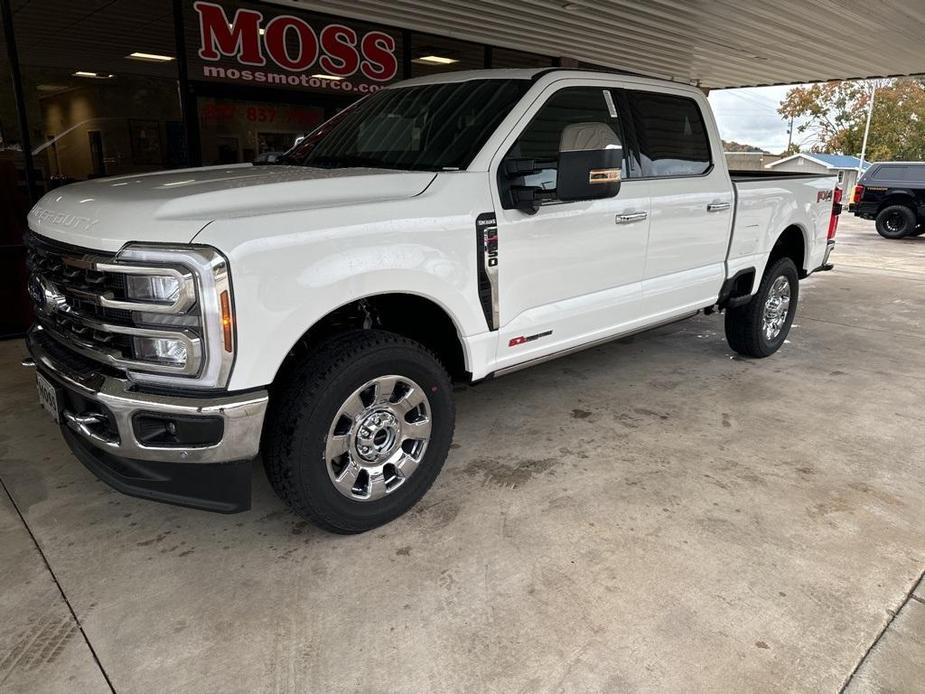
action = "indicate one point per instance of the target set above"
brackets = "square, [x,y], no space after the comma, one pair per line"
[435,60]
[150,57]
[327,77]
[93,75]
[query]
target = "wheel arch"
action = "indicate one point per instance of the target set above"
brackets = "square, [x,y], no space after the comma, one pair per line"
[791,243]
[415,316]
[898,197]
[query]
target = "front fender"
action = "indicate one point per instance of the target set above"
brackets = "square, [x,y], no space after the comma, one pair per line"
[303,265]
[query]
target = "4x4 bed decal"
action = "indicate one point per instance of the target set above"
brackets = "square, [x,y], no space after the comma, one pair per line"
[486,239]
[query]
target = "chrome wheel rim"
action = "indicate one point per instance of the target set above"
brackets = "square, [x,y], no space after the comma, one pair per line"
[378,438]
[776,308]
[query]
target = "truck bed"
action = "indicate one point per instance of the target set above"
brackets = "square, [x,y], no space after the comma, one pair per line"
[767,202]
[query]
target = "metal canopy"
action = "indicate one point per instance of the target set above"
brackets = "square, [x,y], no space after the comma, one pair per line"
[712,43]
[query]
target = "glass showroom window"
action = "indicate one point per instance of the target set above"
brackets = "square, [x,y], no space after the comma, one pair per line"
[100,88]
[14,205]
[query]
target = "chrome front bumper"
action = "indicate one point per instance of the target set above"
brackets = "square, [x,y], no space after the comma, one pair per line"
[242,415]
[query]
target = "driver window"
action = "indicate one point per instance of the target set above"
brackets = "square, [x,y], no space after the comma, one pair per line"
[575,118]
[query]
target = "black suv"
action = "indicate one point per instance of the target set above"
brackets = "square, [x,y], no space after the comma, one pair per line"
[894,194]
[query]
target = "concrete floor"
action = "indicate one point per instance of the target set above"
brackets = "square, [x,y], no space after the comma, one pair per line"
[652,515]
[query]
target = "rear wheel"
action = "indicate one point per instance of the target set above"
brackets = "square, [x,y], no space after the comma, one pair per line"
[360,431]
[895,222]
[759,328]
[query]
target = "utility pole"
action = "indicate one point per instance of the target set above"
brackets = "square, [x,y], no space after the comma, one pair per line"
[789,135]
[870,112]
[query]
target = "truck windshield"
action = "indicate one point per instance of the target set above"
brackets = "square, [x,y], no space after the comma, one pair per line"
[431,127]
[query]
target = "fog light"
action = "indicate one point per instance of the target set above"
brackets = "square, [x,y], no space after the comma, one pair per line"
[179,431]
[153,288]
[161,350]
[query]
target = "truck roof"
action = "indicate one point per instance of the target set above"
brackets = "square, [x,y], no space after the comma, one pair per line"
[535,74]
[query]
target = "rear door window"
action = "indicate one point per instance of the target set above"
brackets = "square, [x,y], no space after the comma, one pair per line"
[671,133]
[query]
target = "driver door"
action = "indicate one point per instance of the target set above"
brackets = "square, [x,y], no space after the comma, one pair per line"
[571,273]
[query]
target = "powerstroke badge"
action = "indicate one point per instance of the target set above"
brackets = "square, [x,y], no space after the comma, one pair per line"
[486,236]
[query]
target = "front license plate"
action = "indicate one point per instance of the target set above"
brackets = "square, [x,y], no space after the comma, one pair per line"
[48,396]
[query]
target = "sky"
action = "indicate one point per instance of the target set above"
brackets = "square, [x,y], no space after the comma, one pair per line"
[749,116]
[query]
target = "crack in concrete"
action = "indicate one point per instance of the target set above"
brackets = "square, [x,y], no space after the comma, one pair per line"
[910,595]
[58,585]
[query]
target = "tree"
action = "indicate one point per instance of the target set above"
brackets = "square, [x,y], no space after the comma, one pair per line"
[833,116]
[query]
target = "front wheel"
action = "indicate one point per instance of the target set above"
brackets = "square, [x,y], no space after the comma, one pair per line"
[759,328]
[359,431]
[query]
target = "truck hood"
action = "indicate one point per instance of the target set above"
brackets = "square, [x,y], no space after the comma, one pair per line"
[173,206]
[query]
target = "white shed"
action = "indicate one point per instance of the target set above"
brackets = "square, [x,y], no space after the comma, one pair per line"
[848,169]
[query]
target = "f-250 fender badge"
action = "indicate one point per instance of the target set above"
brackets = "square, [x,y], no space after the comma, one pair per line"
[486,240]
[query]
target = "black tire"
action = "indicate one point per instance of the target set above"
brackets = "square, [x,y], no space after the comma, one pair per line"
[895,222]
[745,324]
[303,412]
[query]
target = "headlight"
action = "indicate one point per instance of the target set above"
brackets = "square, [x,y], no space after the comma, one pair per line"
[163,350]
[181,302]
[160,288]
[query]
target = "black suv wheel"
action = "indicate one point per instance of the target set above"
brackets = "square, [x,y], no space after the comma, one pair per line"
[895,222]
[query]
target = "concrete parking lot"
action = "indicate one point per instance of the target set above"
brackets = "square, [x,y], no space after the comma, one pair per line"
[652,515]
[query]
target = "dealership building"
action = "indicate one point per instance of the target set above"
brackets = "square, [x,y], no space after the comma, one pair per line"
[111,87]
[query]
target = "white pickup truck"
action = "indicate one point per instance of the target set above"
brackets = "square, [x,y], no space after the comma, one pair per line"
[315,310]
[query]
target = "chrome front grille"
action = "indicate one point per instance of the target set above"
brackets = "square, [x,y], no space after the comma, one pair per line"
[65,292]
[80,300]
[67,268]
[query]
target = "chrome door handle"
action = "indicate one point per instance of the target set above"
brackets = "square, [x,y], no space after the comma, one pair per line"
[718,206]
[631,217]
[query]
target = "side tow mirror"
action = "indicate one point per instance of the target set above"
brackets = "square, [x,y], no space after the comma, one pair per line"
[526,198]
[589,174]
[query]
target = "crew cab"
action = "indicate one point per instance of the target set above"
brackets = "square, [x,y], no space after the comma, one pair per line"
[893,194]
[315,311]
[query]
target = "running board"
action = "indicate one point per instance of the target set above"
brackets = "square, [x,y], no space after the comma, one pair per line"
[587,345]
